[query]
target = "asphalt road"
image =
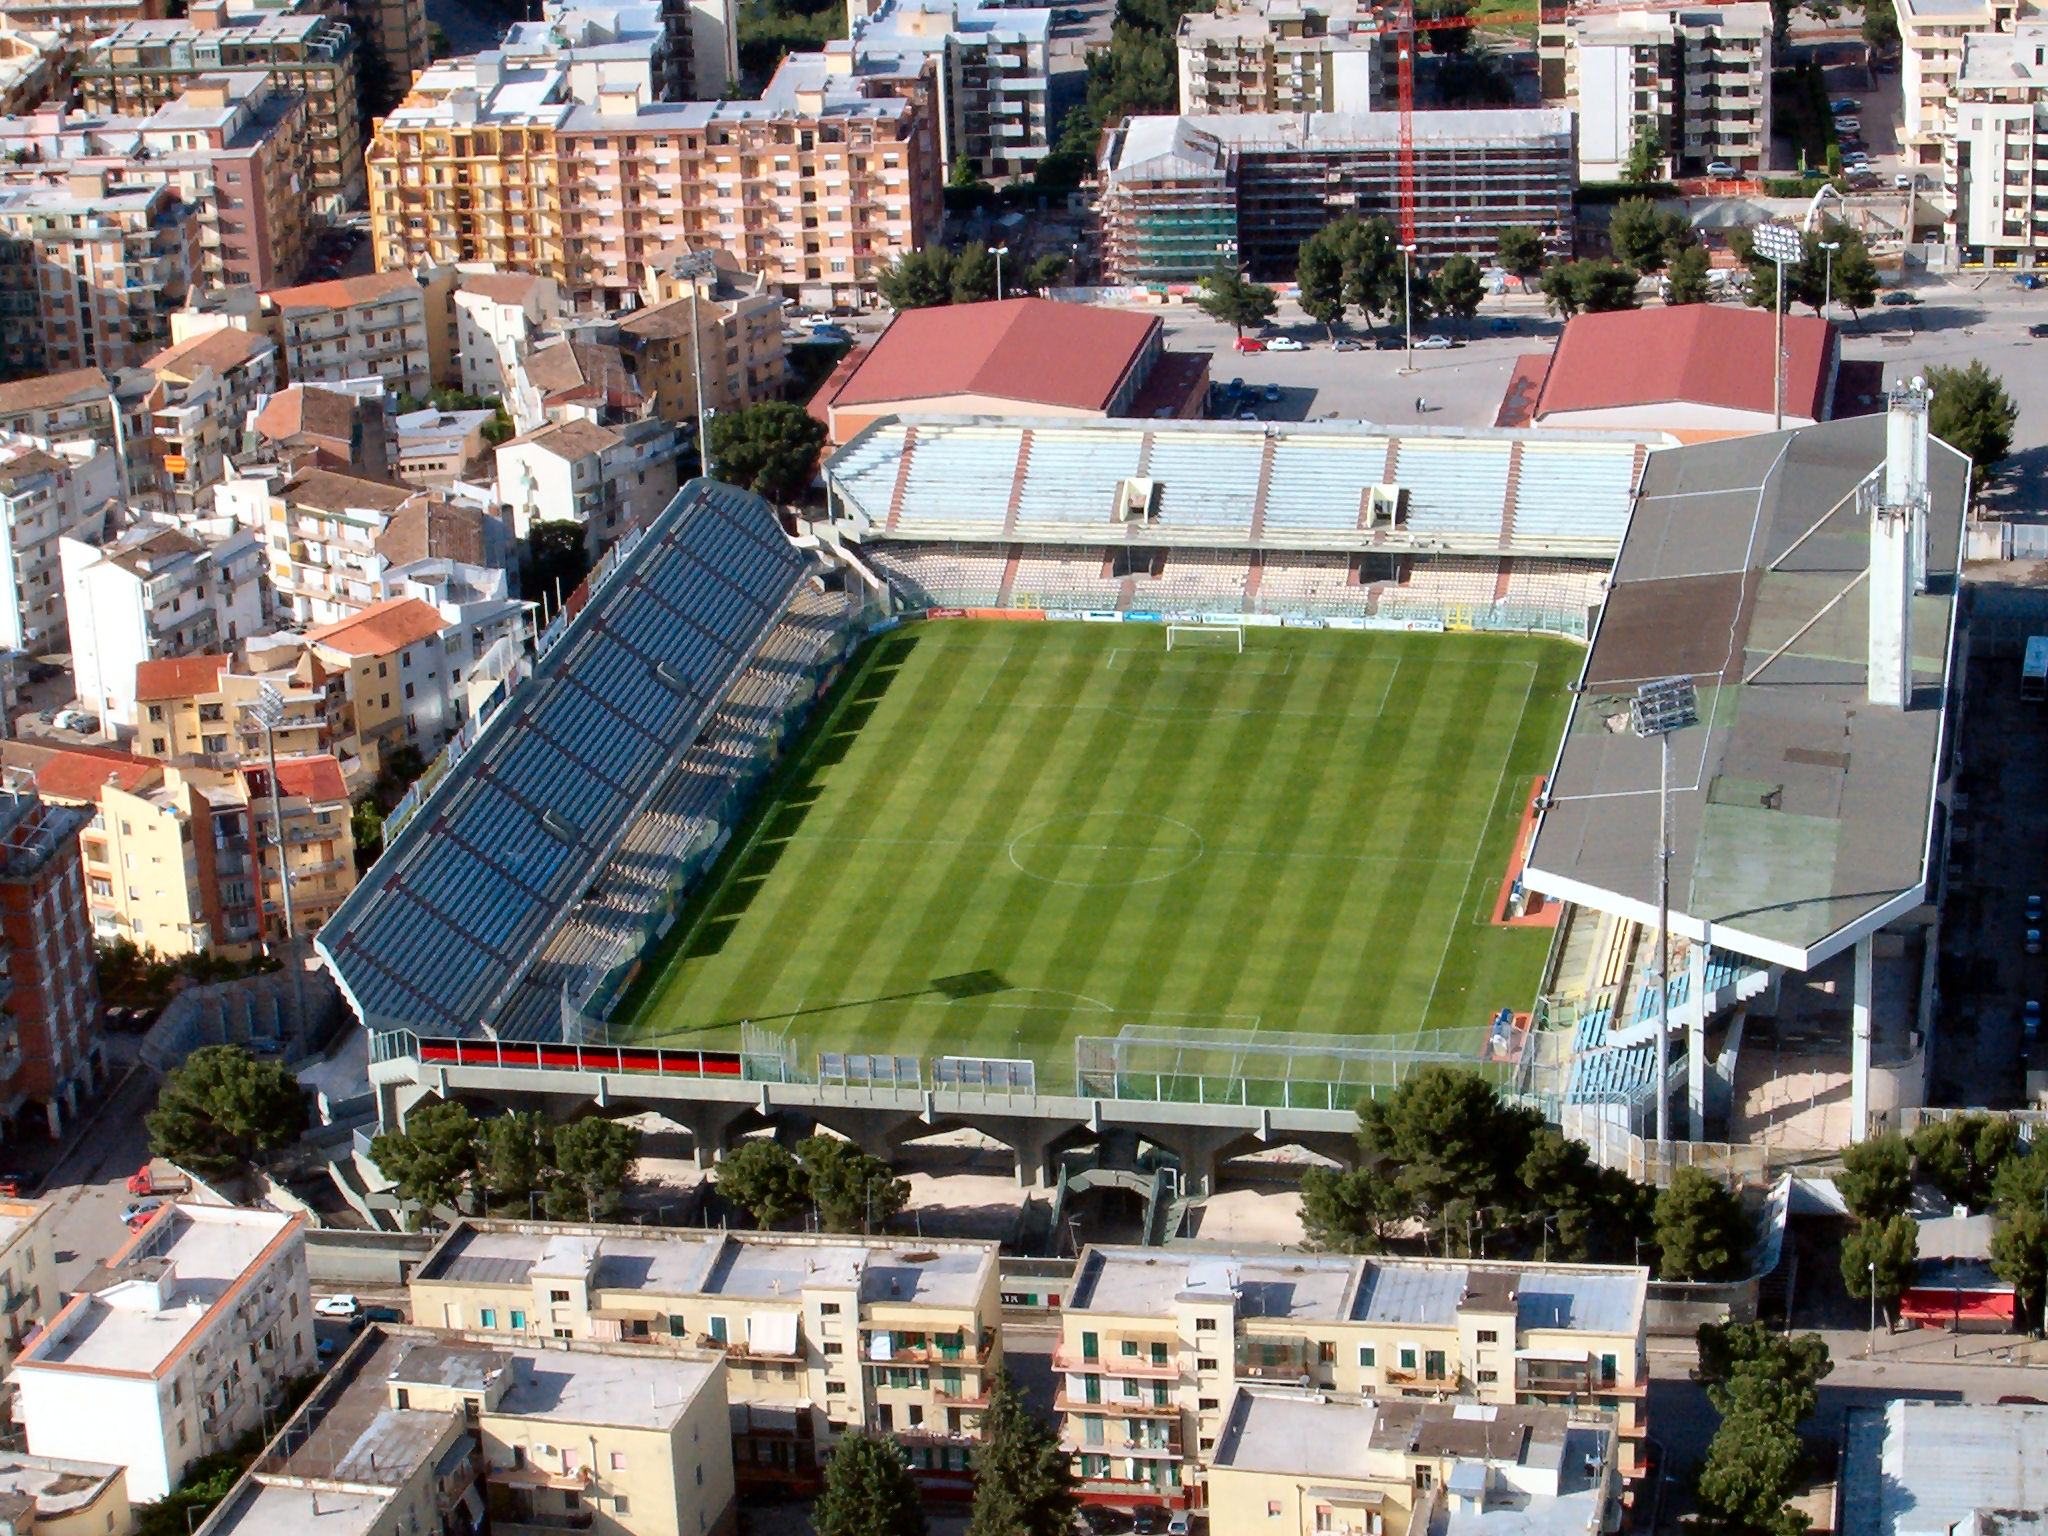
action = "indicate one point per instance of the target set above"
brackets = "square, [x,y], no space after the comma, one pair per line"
[88,1184]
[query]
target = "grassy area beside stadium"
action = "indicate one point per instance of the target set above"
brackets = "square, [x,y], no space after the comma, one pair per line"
[1002,836]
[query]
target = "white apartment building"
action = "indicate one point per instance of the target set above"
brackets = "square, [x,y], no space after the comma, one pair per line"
[173,1349]
[154,592]
[48,493]
[1280,56]
[1699,78]
[358,327]
[497,317]
[1993,165]
[1931,34]
[988,67]
[28,1272]
[320,528]
[423,654]
[607,478]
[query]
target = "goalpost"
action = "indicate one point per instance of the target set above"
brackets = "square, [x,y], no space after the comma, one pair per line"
[1205,637]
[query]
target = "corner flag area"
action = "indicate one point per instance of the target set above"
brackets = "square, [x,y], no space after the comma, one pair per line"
[1001,836]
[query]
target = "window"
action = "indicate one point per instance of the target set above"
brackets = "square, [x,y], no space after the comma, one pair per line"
[1159,1354]
[1488,1376]
[1489,1336]
[156,714]
[621,1507]
[1206,1404]
[718,1329]
[1368,1357]
[1272,1509]
[1607,1370]
[558,1295]
[835,1389]
[1091,1347]
[1324,1520]
[488,1317]
[828,1309]
[1433,1364]
[1205,1365]
[1326,1353]
[402,1398]
[618,1461]
[518,1320]
[1407,1357]
[833,1347]
[677,1327]
[1205,1325]
[1129,1348]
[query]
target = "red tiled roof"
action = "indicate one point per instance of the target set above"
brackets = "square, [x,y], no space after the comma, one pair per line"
[381,628]
[1035,350]
[178,677]
[344,292]
[1703,354]
[315,778]
[80,776]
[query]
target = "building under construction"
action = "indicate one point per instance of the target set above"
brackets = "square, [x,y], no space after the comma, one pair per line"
[1178,194]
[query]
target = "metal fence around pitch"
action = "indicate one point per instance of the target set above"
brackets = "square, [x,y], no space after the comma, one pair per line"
[1282,1070]
[1339,612]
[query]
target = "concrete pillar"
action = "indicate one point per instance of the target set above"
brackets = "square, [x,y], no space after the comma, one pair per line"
[1199,1149]
[1696,1044]
[1859,1043]
[874,1131]
[711,1128]
[1030,1143]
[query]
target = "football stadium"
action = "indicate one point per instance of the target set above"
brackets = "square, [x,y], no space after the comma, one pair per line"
[1066,773]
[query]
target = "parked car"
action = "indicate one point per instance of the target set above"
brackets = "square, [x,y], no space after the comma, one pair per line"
[2028,280]
[2034,904]
[1272,393]
[15,1185]
[1856,160]
[1847,124]
[1898,298]
[77,720]
[136,1212]
[146,1181]
[1145,1522]
[1387,343]
[1234,388]
[49,716]
[1248,344]
[1177,1524]
[2030,1018]
[1902,181]
[1503,326]
[342,1306]
[1347,344]
[1285,344]
[1434,344]
[1247,415]
[324,1350]
[1841,106]
[377,1314]
[2033,941]
[1720,169]
[1067,16]
[2020,1400]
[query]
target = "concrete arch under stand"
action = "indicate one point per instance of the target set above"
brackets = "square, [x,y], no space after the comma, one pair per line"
[1200,1150]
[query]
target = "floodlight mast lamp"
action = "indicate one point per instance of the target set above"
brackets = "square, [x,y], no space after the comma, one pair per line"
[1658,709]
[689,267]
[1778,243]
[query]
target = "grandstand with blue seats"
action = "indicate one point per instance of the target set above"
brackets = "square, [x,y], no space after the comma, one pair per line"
[552,839]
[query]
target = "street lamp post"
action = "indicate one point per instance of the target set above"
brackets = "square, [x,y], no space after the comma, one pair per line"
[1658,709]
[1778,243]
[268,711]
[1872,1267]
[1827,291]
[1408,304]
[999,252]
[689,267]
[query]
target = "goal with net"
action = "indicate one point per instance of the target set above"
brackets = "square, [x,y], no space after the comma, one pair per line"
[1206,637]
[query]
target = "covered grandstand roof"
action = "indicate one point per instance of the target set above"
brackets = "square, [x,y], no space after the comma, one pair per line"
[448,920]
[1801,810]
[1224,485]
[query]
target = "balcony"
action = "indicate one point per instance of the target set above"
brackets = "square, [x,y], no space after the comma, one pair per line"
[1116,1407]
[1139,1366]
[526,1475]
[918,1354]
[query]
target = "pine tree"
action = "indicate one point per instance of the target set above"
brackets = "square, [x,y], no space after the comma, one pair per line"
[1023,1483]
[868,1490]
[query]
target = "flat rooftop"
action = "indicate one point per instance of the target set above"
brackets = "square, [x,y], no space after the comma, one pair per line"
[159,1291]
[1146,1282]
[60,1487]
[623,1391]
[1800,810]
[1931,1469]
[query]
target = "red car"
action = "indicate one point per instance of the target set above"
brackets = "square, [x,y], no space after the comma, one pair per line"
[1249,344]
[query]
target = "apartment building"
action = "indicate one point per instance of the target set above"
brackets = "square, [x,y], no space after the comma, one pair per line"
[1990,164]
[820,1334]
[608,479]
[321,527]
[205,389]
[498,316]
[48,493]
[153,592]
[167,864]
[50,1049]
[1700,80]
[1154,1346]
[373,326]
[416,1431]
[723,326]
[34,66]
[309,796]
[29,1294]
[437,448]
[176,1347]
[89,272]
[815,186]
[401,45]
[308,426]
[1931,34]
[404,662]
[82,19]
[49,1497]
[78,403]
[1280,56]
[980,73]
[141,65]
[1175,190]
[1300,1464]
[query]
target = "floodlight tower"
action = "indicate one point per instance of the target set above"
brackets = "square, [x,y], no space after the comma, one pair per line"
[1658,709]
[1778,243]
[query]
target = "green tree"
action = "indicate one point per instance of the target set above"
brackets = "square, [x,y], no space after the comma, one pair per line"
[1372,266]
[1592,287]
[2019,1256]
[366,826]
[1458,287]
[594,1158]
[868,1490]
[1645,162]
[1688,276]
[764,1178]
[1880,26]
[1747,1364]
[513,1151]
[1961,1156]
[1444,1135]
[1972,413]
[555,560]
[1319,274]
[1702,1233]
[1048,271]
[1347,1210]
[921,279]
[852,1191]
[1519,250]
[770,449]
[1023,1481]
[1560,295]
[1880,1255]
[1854,279]
[1751,1468]
[1226,296]
[221,1109]
[432,1159]
[1876,1181]
[1642,234]
[974,274]
[1595,1214]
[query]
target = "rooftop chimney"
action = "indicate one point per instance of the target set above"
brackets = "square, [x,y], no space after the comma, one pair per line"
[1895,499]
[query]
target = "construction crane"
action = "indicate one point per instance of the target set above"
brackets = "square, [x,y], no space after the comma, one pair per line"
[1404,24]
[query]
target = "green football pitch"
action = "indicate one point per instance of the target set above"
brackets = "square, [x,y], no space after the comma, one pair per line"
[1000,836]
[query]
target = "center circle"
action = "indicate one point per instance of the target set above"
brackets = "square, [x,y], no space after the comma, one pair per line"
[1106,848]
